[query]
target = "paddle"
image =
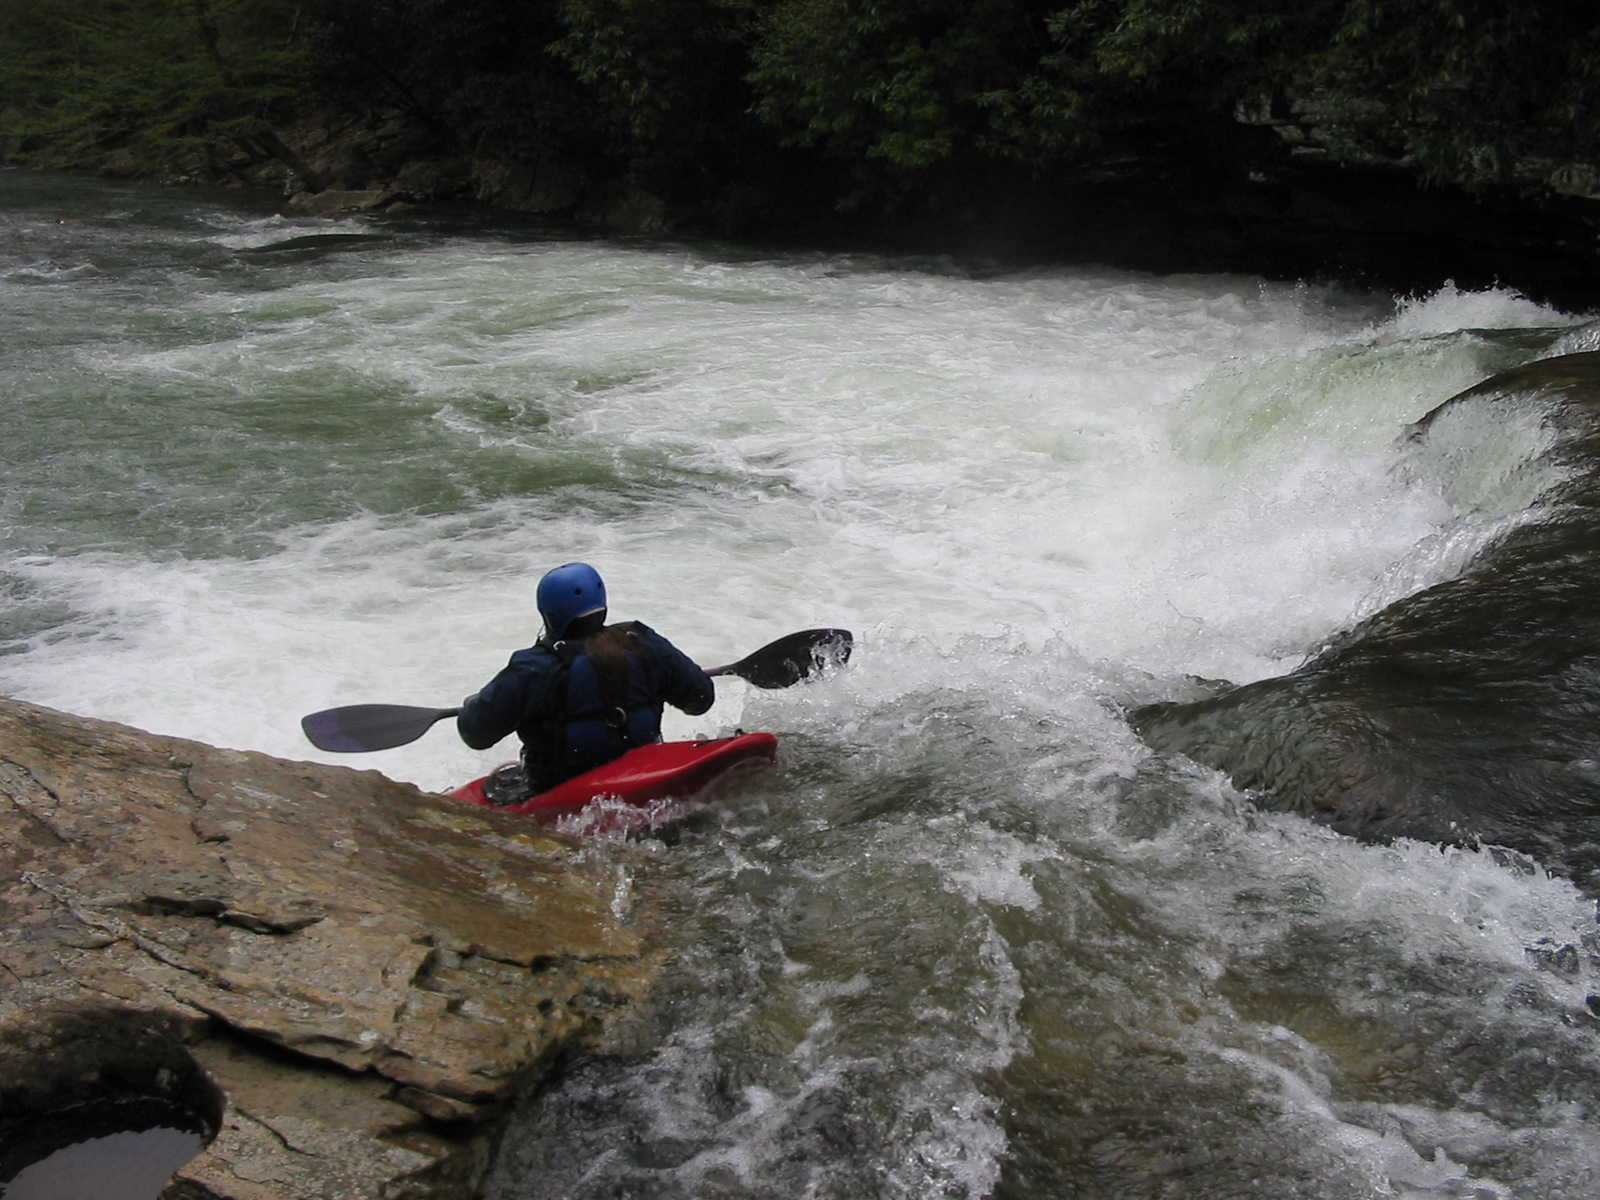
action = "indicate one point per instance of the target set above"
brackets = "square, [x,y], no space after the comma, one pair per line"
[358,727]
[792,658]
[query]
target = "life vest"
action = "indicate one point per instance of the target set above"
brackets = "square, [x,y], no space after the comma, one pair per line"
[607,704]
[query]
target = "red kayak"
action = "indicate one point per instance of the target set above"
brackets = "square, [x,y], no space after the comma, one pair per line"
[642,790]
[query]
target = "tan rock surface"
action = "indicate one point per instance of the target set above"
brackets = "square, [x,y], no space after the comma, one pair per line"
[366,971]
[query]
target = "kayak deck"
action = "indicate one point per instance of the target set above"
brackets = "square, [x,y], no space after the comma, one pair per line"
[629,793]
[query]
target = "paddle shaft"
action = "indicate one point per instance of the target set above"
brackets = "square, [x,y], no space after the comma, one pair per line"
[357,728]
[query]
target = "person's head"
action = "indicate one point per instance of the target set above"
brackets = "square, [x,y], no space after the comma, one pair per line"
[572,601]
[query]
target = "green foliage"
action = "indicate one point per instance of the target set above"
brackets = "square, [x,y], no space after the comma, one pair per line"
[168,81]
[1461,89]
[38,49]
[908,83]
[641,59]
[1465,88]
[651,90]
[665,76]
[897,96]
[477,72]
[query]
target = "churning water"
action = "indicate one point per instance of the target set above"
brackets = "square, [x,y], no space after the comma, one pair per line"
[969,938]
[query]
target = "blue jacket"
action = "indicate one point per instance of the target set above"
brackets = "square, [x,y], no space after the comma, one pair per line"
[573,715]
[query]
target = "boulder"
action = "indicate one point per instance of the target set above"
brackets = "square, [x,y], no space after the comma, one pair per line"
[333,202]
[546,187]
[366,973]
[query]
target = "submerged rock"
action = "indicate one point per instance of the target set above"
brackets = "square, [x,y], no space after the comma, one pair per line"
[365,972]
[1468,712]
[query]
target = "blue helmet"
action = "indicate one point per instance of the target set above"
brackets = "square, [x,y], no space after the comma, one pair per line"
[568,592]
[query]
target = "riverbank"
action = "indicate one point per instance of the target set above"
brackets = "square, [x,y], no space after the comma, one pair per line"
[1271,203]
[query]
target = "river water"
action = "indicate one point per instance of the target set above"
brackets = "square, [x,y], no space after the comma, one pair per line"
[969,937]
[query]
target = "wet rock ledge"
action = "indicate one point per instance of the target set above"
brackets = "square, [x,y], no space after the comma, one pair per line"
[367,973]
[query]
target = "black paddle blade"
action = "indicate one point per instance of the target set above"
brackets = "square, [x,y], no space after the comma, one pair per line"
[358,727]
[790,659]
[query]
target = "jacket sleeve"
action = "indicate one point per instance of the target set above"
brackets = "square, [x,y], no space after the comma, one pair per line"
[497,708]
[683,684]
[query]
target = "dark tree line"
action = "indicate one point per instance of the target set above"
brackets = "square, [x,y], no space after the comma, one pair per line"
[168,81]
[874,100]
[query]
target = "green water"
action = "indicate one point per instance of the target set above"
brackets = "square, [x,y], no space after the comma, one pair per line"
[969,937]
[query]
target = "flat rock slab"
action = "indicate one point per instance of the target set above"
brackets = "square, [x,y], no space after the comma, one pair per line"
[367,972]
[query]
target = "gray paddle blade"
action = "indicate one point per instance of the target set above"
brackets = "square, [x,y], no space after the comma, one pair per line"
[792,658]
[358,727]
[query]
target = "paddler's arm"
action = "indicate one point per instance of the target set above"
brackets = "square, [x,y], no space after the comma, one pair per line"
[496,709]
[683,684]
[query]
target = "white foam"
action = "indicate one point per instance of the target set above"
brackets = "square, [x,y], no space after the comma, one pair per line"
[1013,491]
[1450,309]
[1185,475]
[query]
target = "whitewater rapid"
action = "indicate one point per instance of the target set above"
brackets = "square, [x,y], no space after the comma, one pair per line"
[968,938]
[1127,466]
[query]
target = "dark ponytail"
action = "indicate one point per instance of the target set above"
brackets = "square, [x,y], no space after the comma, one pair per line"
[608,650]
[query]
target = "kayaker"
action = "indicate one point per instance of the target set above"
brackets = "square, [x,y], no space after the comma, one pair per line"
[585,692]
